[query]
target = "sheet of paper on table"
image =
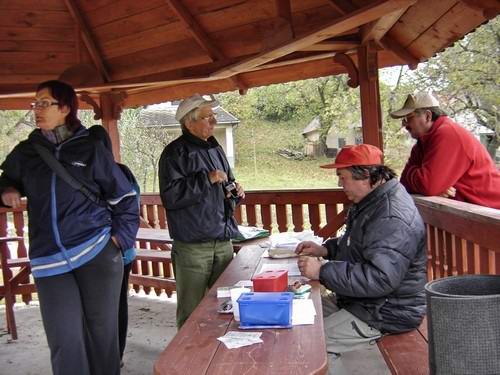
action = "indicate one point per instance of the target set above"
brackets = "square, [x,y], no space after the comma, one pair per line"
[236,339]
[292,268]
[303,312]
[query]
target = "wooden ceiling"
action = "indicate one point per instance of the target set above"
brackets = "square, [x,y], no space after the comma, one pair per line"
[157,50]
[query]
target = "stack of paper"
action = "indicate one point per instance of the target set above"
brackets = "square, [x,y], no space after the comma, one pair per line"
[290,240]
[235,339]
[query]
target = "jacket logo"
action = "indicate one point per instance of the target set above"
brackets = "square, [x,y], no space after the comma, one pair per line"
[78,164]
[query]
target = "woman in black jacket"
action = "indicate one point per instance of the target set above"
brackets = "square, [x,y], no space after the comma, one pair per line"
[74,242]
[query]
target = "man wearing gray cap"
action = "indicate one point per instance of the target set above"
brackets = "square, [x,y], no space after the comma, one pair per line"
[446,160]
[199,193]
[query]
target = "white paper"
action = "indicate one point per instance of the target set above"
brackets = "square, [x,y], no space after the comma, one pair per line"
[236,339]
[292,268]
[303,312]
[290,240]
[244,283]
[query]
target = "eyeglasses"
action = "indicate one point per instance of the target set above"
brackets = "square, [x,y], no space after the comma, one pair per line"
[211,116]
[407,118]
[43,104]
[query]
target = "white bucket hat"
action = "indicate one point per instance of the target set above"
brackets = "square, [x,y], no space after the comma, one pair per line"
[195,101]
[413,102]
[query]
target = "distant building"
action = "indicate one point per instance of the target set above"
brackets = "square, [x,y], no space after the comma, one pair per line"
[163,116]
[311,133]
[337,139]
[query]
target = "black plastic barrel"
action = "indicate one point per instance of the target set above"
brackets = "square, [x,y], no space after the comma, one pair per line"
[463,315]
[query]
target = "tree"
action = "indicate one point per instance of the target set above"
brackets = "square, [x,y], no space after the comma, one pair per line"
[142,147]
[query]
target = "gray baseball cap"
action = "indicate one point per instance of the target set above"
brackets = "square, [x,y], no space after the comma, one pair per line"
[413,102]
[195,101]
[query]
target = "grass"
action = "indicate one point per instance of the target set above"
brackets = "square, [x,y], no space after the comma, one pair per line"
[258,165]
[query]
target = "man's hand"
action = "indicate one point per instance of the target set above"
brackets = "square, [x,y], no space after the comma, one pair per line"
[449,193]
[311,248]
[239,189]
[309,267]
[11,197]
[217,176]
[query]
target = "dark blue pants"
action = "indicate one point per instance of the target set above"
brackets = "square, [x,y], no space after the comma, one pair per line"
[123,309]
[80,315]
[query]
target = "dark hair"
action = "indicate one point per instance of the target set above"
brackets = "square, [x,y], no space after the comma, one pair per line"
[375,173]
[436,112]
[66,96]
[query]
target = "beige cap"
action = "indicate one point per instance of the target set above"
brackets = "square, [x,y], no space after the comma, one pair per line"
[195,101]
[413,102]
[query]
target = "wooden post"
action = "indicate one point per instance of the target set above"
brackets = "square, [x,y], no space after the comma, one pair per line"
[111,107]
[371,113]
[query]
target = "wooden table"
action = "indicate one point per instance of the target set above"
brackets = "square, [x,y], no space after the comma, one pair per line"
[196,350]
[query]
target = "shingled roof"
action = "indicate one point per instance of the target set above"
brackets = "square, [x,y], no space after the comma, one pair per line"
[165,117]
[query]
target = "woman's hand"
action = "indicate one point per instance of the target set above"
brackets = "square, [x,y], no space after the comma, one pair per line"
[311,248]
[11,197]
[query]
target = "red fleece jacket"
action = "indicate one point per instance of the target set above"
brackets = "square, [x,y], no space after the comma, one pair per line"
[449,155]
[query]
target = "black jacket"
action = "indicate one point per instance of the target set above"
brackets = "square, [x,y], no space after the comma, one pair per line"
[378,267]
[197,210]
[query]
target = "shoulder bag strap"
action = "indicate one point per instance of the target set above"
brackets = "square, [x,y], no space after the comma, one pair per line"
[62,173]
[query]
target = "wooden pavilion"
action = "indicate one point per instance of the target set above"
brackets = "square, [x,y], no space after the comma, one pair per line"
[126,53]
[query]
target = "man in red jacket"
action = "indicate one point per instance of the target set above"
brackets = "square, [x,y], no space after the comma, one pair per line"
[446,160]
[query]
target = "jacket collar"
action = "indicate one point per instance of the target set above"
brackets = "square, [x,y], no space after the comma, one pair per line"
[374,196]
[209,143]
[440,120]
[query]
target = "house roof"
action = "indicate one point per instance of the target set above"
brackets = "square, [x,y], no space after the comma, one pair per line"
[159,50]
[165,117]
[313,126]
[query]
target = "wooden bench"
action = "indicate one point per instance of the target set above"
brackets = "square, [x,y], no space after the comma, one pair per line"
[16,281]
[146,271]
[407,353]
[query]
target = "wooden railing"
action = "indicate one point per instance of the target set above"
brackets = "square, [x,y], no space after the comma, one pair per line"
[462,238]
[322,211]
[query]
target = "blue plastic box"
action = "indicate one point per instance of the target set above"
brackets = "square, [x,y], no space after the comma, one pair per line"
[266,310]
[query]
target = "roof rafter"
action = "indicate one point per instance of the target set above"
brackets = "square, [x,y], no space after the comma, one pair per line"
[390,44]
[377,29]
[187,19]
[284,11]
[88,39]
[347,22]
[342,6]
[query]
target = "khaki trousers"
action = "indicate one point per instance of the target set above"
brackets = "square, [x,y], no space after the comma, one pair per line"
[196,267]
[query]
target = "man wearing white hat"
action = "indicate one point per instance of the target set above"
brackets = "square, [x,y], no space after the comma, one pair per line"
[446,160]
[199,193]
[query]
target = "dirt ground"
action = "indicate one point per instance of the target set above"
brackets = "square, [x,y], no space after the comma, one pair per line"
[151,327]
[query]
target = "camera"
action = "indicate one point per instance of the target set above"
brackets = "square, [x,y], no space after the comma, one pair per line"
[231,189]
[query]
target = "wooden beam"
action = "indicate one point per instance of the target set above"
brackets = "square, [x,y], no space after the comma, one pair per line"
[377,29]
[352,71]
[342,6]
[390,44]
[489,8]
[357,18]
[284,11]
[371,112]
[111,107]
[195,29]
[332,45]
[187,19]
[87,39]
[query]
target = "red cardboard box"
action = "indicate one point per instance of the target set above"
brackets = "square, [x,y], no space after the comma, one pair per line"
[271,281]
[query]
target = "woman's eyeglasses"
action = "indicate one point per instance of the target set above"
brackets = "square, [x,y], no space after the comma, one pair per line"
[42,104]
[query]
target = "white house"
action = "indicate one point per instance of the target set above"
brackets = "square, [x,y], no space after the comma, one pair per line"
[163,116]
